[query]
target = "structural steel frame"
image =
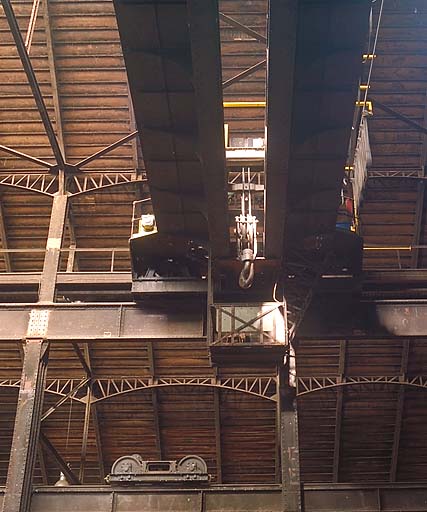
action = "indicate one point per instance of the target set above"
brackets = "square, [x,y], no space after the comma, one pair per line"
[306,385]
[262,387]
[41,324]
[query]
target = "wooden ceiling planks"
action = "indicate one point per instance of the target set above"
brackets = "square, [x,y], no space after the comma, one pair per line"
[370,412]
[95,111]
[399,81]
[240,52]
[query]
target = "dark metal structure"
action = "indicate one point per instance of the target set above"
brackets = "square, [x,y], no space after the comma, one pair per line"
[132,470]
[303,392]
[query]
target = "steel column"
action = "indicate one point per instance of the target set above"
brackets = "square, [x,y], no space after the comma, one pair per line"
[27,427]
[30,399]
[399,412]
[289,444]
[339,413]
[218,451]
[155,402]
[53,248]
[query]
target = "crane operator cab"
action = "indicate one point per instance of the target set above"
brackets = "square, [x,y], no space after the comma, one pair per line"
[163,263]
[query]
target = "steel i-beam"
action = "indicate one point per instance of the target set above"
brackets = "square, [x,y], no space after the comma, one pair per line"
[27,427]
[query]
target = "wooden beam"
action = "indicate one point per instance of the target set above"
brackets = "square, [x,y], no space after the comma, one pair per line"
[339,413]
[399,413]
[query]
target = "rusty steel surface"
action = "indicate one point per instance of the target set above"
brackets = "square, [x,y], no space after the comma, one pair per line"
[362,427]
[327,498]
[392,210]
[27,426]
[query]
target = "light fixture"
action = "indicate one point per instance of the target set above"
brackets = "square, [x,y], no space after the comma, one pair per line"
[62,482]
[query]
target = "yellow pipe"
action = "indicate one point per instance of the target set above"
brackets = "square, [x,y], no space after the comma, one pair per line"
[389,248]
[243,104]
[261,104]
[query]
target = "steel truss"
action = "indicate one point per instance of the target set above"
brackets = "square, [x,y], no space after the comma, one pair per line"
[263,387]
[78,184]
[395,173]
[302,275]
[74,389]
[307,385]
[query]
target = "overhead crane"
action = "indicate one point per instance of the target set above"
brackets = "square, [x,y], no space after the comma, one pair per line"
[254,235]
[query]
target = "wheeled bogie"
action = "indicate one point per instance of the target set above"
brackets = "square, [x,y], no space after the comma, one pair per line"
[133,470]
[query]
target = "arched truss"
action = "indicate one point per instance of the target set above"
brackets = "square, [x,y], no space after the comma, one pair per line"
[83,183]
[78,184]
[263,387]
[45,184]
[60,387]
[307,385]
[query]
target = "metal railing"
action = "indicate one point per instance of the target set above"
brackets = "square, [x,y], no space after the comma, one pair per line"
[362,160]
[395,254]
[254,323]
[70,261]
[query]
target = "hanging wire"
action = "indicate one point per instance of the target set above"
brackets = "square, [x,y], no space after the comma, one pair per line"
[371,65]
[32,25]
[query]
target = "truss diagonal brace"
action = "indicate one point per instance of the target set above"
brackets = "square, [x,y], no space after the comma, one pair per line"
[32,80]
[247,30]
[62,465]
[24,156]
[106,150]
[247,72]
